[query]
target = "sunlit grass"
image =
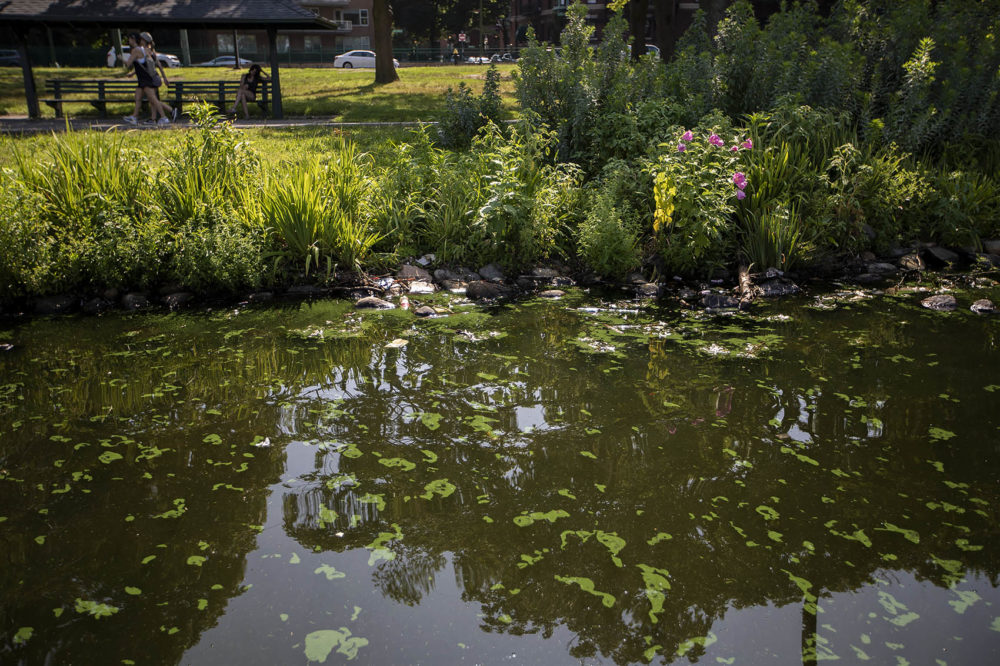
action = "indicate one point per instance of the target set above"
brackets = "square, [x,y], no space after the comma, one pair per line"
[337,94]
[286,145]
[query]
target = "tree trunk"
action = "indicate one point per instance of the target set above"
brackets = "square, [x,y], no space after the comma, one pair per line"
[385,72]
[664,14]
[637,27]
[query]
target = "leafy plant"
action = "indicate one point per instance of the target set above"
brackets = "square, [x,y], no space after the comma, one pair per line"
[607,240]
[772,237]
[695,191]
[465,114]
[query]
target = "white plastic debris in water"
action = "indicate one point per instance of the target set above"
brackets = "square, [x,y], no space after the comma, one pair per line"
[264,444]
[396,344]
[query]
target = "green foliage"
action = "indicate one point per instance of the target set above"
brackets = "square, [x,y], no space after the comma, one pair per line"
[220,256]
[321,216]
[965,208]
[465,114]
[529,204]
[607,239]
[866,188]
[695,200]
[772,237]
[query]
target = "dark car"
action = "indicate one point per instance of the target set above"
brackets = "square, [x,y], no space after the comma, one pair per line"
[9,58]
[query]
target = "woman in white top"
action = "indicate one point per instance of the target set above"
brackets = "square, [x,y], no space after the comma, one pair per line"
[142,59]
[166,110]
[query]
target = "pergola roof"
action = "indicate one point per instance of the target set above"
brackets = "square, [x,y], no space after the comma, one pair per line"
[272,15]
[193,14]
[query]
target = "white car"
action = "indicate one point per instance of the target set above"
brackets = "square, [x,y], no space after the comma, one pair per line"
[225,61]
[167,59]
[358,58]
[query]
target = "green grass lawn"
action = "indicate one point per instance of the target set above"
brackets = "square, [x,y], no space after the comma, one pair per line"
[275,146]
[337,94]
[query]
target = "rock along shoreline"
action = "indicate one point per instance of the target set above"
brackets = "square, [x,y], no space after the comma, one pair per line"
[724,291]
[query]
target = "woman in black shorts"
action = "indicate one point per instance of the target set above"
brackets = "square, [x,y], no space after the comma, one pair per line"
[248,88]
[145,71]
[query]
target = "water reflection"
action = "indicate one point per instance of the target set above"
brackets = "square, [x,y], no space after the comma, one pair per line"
[651,483]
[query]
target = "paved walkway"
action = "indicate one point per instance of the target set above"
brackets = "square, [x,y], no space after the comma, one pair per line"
[25,125]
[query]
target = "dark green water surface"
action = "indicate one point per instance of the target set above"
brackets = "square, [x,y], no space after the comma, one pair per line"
[581,481]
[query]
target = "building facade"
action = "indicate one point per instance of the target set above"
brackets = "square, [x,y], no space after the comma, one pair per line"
[353,19]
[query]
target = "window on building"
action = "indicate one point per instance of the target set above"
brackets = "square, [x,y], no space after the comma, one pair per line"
[359,17]
[224,43]
[312,43]
[284,45]
[248,43]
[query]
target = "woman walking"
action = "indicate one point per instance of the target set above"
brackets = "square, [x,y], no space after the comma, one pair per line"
[166,110]
[145,69]
[248,89]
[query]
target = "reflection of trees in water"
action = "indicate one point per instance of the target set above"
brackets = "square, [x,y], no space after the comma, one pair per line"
[764,479]
[103,535]
[741,461]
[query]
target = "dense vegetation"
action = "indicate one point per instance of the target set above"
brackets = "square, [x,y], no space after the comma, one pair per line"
[775,145]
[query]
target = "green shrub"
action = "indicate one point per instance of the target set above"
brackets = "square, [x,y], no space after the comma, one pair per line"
[965,209]
[529,205]
[465,114]
[695,199]
[217,255]
[608,242]
[868,194]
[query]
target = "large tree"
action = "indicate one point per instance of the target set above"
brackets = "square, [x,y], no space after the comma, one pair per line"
[385,70]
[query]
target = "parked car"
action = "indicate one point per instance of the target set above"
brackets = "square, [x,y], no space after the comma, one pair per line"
[358,58]
[9,58]
[506,57]
[225,61]
[654,49]
[168,59]
[478,60]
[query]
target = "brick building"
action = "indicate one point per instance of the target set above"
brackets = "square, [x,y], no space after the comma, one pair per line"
[353,19]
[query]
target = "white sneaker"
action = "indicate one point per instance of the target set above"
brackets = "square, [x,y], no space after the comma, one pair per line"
[163,121]
[130,120]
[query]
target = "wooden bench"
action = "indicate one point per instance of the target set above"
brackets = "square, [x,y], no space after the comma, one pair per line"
[220,93]
[96,92]
[101,92]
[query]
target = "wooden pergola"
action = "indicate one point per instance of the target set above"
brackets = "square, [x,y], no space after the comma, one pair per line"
[24,16]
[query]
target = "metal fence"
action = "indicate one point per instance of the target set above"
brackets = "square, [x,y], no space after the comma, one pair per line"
[62,56]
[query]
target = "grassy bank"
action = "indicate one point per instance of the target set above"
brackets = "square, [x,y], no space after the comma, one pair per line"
[224,210]
[342,95]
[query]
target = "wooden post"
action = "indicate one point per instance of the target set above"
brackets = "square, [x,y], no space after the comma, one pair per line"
[53,61]
[116,40]
[236,50]
[272,47]
[30,92]
[185,48]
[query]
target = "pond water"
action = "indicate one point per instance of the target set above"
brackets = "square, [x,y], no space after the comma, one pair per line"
[589,480]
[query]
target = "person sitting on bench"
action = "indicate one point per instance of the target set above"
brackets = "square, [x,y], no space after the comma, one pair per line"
[248,88]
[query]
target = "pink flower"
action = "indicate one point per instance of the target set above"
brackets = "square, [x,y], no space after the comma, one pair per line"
[740,180]
[716,141]
[741,195]
[688,136]
[734,149]
[748,144]
[681,147]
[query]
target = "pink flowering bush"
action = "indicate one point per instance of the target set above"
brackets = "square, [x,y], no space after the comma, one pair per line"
[697,187]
